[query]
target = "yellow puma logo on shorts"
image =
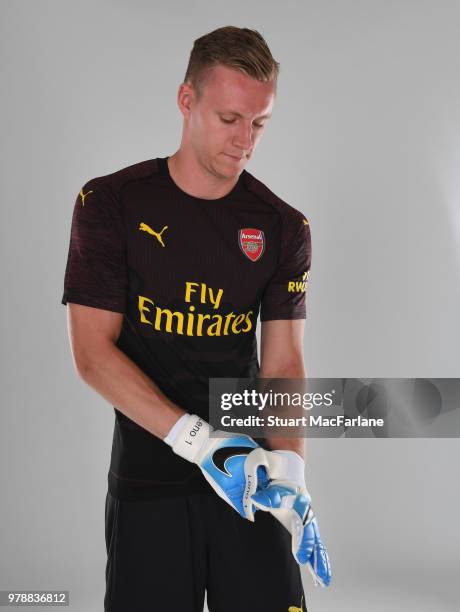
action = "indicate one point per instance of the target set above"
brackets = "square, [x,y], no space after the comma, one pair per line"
[146,228]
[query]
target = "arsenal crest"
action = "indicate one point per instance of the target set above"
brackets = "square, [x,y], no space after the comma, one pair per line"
[252,242]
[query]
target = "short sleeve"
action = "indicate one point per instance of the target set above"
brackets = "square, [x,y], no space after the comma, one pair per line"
[285,294]
[96,270]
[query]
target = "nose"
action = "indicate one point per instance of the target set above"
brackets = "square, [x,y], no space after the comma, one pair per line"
[243,137]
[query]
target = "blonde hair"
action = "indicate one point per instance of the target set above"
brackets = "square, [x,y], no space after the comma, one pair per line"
[239,48]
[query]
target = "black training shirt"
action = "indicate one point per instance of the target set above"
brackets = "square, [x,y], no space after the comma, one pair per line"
[190,276]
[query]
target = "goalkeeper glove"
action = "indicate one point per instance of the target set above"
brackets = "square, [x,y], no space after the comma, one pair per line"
[227,462]
[287,499]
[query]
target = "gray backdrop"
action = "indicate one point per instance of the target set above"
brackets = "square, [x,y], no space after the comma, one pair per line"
[365,141]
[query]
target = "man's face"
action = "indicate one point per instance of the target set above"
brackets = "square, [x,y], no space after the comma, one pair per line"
[225,124]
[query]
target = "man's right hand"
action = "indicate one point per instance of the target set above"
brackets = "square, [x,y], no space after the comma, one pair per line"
[292,507]
[286,497]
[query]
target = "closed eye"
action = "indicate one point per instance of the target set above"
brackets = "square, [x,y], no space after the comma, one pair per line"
[230,121]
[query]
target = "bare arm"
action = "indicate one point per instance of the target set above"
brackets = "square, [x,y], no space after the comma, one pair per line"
[282,357]
[93,333]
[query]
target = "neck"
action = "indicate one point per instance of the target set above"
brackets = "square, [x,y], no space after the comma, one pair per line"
[196,180]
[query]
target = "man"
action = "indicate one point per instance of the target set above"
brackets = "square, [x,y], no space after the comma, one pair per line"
[170,261]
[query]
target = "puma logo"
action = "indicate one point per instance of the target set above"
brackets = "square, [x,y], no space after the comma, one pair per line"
[83,196]
[295,608]
[146,228]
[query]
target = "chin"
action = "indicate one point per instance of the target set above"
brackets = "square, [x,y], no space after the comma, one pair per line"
[227,167]
[234,164]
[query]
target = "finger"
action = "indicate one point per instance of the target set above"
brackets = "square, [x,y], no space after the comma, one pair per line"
[319,562]
[255,472]
[303,542]
[266,499]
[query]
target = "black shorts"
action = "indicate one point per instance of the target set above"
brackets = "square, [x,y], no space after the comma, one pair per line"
[164,554]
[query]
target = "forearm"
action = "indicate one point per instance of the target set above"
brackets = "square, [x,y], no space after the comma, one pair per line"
[124,385]
[297,445]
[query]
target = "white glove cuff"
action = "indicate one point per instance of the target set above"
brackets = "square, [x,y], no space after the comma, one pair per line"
[175,429]
[191,437]
[288,466]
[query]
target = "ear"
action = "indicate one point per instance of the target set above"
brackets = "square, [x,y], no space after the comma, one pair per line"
[185,97]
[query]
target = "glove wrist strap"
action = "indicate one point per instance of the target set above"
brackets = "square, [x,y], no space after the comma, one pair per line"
[190,439]
[287,465]
[175,429]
